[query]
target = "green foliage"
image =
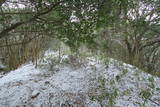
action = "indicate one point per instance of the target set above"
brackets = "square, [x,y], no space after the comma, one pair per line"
[127,33]
[158,89]
[145,94]
[106,95]
[151,84]
[114,27]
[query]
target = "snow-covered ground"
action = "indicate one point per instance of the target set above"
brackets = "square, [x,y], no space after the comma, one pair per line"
[93,85]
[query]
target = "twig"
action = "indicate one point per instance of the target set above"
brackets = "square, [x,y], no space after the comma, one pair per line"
[154,102]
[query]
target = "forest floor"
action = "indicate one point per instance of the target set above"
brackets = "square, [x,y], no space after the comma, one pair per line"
[93,84]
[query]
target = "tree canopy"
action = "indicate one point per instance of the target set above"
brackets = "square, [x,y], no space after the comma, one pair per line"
[130,27]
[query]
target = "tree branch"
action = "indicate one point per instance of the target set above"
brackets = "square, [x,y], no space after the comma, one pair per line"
[16,13]
[7,30]
[1,2]
[19,43]
[154,102]
[151,42]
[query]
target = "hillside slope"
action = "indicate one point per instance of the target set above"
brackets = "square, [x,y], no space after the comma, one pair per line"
[93,85]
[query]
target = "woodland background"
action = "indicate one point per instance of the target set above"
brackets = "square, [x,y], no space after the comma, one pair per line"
[126,30]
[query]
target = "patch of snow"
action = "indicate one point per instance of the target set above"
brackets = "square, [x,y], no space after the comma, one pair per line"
[28,86]
[35,93]
[23,73]
[2,66]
